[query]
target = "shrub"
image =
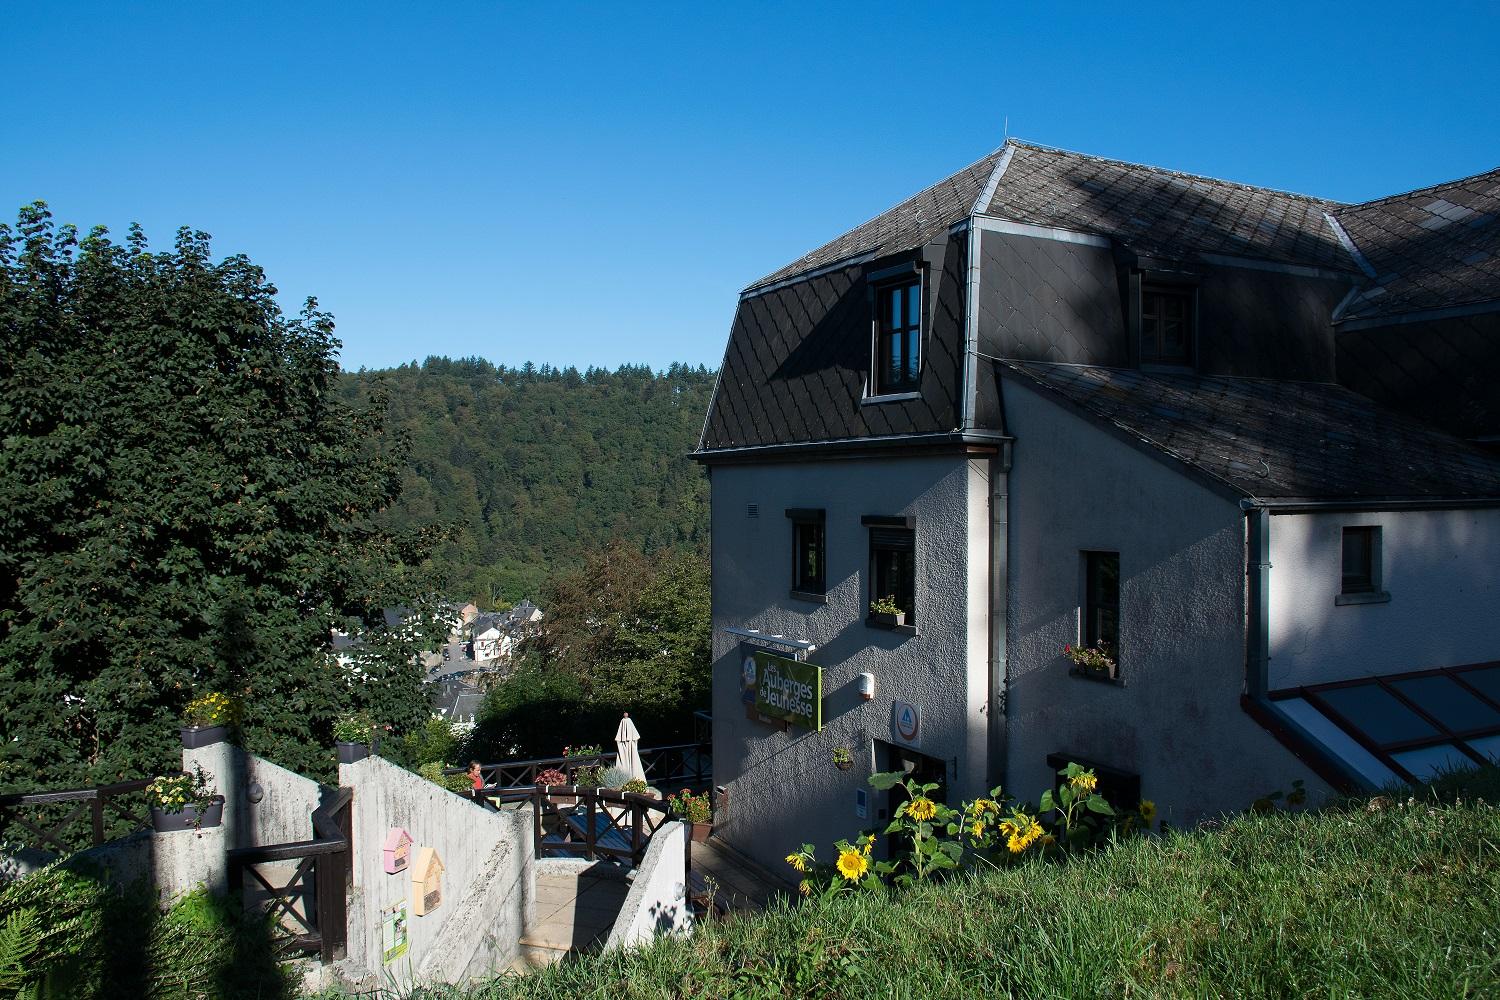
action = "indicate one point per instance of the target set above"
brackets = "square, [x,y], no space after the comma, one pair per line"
[552,777]
[457,783]
[636,786]
[615,777]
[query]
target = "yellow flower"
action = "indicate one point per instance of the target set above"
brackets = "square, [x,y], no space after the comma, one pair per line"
[982,806]
[805,887]
[869,843]
[1020,841]
[1085,782]
[797,862]
[977,830]
[852,865]
[1148,811]
[921,809]
[1008,828]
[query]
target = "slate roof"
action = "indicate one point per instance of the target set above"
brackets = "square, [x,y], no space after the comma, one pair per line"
[1434,248]
[1165,213]
[1274,439]
[912,223]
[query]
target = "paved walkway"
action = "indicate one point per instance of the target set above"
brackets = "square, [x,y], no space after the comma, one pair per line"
[575,911]
[736,882]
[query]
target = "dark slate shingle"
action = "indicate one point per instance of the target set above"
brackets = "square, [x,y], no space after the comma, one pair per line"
[1275,439]
[1164,213]
[1434,248]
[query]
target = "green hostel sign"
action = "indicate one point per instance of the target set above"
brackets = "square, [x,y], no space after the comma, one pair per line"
[785,689]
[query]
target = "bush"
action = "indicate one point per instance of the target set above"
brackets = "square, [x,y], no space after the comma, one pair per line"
[636,786]
[458,783]
[615,777]
[552,777]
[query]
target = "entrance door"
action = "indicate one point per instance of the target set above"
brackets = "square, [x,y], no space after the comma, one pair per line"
[917,767]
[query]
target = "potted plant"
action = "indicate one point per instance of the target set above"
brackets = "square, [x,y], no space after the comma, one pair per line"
[886,612]
[351,736]
[184,801]
[207,719]
[590,775]
[1091,661]
[842,758]
[693,809]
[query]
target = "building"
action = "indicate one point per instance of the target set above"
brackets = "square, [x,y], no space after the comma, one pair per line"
[1239,442]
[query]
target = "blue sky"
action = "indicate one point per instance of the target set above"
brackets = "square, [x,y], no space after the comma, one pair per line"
[592,184]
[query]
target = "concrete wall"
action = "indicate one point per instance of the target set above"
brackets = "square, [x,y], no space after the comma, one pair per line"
[782,786]
[489,885]
[173,863]
[286,803]
[658,899]
[1176,721]
[1438,567]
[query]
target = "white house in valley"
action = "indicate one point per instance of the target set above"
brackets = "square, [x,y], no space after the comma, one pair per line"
[1238,442]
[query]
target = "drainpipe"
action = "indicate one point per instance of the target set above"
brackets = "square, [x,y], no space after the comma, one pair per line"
[1306,747]
[999,604]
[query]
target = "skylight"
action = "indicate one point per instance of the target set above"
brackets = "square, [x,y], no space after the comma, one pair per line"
[1408,727]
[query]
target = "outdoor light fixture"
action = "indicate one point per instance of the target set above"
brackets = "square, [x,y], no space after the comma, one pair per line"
[867,686]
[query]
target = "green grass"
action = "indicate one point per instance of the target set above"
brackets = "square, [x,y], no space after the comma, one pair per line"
[1399,900]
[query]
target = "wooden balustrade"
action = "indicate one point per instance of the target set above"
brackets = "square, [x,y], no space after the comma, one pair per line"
[99,805]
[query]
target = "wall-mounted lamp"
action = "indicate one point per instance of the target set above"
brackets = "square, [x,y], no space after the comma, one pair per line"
[867,686]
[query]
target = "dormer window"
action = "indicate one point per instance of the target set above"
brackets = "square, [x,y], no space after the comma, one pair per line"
[1167,320]
[898,340]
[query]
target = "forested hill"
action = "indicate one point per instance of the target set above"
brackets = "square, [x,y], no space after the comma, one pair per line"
[534,467]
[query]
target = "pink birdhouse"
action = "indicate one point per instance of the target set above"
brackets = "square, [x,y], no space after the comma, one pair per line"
[397,850]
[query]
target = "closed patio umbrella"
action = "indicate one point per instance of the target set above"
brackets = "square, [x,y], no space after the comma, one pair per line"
[626,742]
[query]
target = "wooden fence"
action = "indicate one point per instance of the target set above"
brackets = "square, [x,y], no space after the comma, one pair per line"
[68,821]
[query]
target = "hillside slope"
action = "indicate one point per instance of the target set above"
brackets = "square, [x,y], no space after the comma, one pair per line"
[1403,900]
[534,468]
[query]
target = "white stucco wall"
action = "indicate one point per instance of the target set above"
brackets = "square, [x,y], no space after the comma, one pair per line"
[783,789]
[1440,568]
[1177,720]
[657,903]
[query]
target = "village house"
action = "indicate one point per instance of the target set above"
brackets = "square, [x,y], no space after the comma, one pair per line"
[1233,448]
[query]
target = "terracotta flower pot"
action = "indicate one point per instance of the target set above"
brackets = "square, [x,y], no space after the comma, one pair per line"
[700,831]
[194,737]
[188,818]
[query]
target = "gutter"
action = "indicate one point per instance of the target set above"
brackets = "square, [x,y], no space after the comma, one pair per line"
[1256,701]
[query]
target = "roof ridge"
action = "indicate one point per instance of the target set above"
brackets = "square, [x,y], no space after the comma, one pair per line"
[1046,148]
[1420,190]
[1183,374]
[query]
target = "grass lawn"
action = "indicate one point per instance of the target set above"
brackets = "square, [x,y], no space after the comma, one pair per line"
[1392,899]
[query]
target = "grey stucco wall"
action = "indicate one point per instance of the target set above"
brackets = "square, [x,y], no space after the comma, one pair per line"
[488,888]
[782,787]
[287,799]
[1177,720]
[1438,567]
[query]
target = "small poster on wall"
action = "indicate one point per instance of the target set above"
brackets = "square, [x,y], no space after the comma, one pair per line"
[393,932]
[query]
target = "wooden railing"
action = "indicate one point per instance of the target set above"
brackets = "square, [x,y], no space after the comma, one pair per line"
[592,823]
[56,819]
[320,882]
[687,764]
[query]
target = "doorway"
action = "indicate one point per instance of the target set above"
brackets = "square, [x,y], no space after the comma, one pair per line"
[917,767]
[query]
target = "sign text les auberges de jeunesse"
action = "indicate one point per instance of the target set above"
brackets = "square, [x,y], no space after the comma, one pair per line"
[784,689]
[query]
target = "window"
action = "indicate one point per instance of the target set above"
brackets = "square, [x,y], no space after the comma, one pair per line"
[898,341]
[1101,601]
[809,568]
[1166,325]
[893,563]
[1360,582]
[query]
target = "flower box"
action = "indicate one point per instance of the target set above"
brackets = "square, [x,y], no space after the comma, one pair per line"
[351,753]
[194,737]
[188,818]
[887,620]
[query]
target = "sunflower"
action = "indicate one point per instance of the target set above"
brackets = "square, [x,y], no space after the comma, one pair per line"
[977,830]
[1024,838]
[805,887]
[1085,782]
[1148,811]
[852,865]
[921,809]
[797,861]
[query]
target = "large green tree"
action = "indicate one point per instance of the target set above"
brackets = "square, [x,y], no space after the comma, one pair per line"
[185,505]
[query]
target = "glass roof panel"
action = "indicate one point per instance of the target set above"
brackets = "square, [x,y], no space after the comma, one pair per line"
[1378,714]
[1488,746]
[1339,743]
[1444,700]
[1486,680]
[1429,762]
